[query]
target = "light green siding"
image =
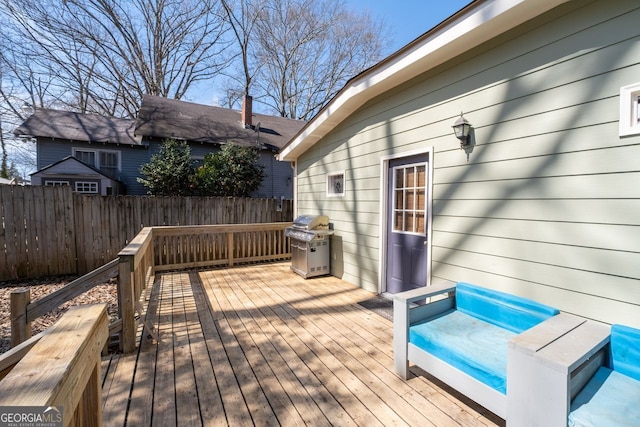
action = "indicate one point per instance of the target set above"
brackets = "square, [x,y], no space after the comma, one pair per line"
[547,205]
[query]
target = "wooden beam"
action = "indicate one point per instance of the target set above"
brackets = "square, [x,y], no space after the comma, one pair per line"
[79,286]
[126,301]
[60,367]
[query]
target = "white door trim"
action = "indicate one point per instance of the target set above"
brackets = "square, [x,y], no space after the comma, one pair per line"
[383,227]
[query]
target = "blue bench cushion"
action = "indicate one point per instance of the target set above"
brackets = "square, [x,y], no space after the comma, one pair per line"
[472,345]
[505,310]
[625,351]
[609,399]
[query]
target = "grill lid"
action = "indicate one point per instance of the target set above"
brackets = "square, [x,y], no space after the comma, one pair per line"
[311,222]
[306,236]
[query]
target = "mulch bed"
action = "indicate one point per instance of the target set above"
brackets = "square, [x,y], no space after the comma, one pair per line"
[105,293]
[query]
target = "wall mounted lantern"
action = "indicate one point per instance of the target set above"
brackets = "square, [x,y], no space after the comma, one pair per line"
[461,129]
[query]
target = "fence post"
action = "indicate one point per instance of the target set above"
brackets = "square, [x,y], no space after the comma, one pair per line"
[126,300]
[20,327]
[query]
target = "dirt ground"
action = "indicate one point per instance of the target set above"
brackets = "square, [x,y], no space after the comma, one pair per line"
[39,288]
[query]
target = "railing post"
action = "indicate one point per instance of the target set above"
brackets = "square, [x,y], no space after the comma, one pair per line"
[126,300]
[230,248]
[20,327]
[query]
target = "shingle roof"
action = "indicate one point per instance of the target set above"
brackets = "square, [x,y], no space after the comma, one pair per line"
[170,118]
[79,127]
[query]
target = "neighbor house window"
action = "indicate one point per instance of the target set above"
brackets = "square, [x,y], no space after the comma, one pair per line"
[335,184]
[87,187]
[55,183]
[107,161]
[88,157]
[630,110]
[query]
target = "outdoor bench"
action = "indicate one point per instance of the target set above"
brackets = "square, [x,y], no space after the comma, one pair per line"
[612,395]
[589,376]
[462,339]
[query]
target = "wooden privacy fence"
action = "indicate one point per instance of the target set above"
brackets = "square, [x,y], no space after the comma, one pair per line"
[48,231]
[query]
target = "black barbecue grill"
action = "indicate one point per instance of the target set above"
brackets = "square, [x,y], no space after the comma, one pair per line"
[310,244]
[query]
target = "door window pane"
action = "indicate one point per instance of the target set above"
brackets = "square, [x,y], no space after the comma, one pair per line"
[409,210]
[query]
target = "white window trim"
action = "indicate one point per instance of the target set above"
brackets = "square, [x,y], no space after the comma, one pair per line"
[330,190]
[93,184]
[55,183]
[630,110]
[97,153]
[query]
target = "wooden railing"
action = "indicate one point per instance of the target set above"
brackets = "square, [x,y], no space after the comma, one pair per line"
[24,311]
[156,249]
[61,368]
[214,245]
[170,248]
[136,270]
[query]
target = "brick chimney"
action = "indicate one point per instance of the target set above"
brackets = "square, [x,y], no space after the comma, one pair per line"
[247,111]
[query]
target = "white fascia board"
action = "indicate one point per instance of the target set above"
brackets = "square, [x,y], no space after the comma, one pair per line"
[475,25]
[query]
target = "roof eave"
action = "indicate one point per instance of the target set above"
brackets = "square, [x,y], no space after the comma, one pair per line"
[470,27]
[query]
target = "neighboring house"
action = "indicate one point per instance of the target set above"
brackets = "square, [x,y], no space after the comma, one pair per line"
[107,144]
[118,147]
[545,203]
[13,181]
[83,178]
[205,128]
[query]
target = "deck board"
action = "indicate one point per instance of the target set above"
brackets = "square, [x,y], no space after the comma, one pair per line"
[259,345]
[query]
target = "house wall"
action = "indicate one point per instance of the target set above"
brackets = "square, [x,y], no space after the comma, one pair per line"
[49,152]
[275,184]
[72,171]
[278,175]
[546,204]
[278,181]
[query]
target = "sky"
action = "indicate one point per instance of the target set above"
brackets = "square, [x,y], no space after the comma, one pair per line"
[405,20]
[408,19]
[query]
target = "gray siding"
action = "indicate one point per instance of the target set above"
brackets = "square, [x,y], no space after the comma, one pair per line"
[278,181]
[132,159]
[49,152]
[275,185]
[547,204]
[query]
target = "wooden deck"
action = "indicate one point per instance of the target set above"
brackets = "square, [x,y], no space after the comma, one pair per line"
[260,345]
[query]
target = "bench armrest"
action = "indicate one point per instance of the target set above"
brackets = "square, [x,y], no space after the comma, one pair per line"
[548,364]
[404,315]
[418,294]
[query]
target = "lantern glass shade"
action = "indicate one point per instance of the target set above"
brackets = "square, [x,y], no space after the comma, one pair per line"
[461,128]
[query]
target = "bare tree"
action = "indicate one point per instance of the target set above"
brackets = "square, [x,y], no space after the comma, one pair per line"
[242,16]
[308,50]
[294,55]
[104,55]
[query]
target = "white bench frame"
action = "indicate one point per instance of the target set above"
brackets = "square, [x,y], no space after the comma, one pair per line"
[553,364]
[406,313]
